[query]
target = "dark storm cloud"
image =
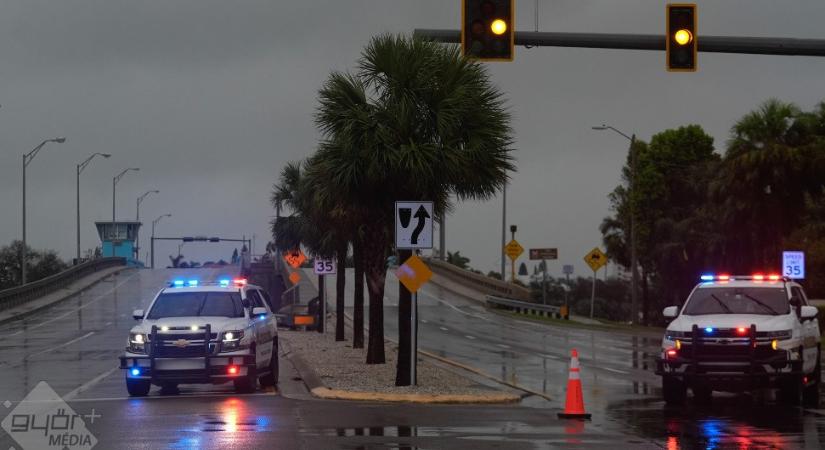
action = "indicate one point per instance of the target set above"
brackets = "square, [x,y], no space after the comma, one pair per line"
[211,98]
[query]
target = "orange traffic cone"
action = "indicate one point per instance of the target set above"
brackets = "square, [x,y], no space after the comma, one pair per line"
[574,405]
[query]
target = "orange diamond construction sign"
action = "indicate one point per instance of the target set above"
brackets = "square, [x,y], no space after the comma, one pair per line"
[413,273]
[295,258]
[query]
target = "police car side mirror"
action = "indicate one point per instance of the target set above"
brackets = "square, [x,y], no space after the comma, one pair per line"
[137,314]
[670,312]
[808,312]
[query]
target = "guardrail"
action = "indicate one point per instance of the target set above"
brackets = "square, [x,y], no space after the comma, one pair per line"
[524,307]
[484,283]
[15,296]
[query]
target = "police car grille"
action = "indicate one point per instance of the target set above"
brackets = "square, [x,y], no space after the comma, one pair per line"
[190,351]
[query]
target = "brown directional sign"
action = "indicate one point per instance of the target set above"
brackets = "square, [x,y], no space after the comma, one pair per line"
[544,253]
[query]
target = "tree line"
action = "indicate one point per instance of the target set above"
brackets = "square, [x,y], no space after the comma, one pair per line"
[700,211]
[414,121]
[39,264]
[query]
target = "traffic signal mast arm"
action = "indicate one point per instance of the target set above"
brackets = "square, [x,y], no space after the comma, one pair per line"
[709,44]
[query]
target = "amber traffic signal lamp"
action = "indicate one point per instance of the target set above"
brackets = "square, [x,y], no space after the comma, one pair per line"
[487,29]
[681,45]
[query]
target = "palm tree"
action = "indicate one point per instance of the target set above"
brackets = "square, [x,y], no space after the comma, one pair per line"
[418,122]
[764,177]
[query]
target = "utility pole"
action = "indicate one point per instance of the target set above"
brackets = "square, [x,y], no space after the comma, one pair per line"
[503,228]
[27,159]
[137,218]
[513,229]
[442,238]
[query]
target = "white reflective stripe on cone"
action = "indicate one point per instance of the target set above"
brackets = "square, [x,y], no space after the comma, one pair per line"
[574,376]
[574,363]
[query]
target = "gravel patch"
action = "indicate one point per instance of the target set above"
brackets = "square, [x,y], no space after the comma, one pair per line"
[341,367]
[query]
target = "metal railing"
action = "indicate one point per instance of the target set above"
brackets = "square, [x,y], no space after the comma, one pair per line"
[524,307]
[16,296]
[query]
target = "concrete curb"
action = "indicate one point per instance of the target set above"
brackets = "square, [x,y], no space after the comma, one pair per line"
[34,306]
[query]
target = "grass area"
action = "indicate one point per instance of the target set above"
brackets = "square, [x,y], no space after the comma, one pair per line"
[602,326]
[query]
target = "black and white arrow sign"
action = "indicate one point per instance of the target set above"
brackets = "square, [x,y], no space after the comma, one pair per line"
[413,225]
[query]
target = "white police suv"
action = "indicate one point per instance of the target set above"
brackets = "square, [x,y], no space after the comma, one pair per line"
[203,333]
[741,333]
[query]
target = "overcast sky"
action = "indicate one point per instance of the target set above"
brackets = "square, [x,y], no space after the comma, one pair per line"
[209,98]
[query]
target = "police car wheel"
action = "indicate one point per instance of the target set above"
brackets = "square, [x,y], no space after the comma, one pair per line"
[271,378]
[674,390]
[138,388]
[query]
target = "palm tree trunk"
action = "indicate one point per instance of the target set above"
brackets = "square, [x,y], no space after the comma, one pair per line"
[645,298]
[358,295]
[340,285]
[375,268]
[402,368]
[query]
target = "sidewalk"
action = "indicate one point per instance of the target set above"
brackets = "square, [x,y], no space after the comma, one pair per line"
[59,295]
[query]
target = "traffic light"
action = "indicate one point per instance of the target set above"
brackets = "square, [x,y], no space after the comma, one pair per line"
[681,37]
[487,29]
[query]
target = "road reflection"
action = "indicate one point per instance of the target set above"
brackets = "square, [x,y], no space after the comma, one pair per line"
[732,422]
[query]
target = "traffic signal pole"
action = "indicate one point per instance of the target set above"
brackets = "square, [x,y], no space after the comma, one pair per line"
[708,44]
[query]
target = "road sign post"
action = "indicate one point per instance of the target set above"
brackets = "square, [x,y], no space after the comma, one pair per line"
[413,231]
[596,259]
[412,275]
[544,254]
[568,270]
[323,267]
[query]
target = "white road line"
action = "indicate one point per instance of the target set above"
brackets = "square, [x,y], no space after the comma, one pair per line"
[443,329]
[61,346]
[85,386]
[469,337]
[424,321]
[623,372]
[75,309]
[546,356]
[503,345]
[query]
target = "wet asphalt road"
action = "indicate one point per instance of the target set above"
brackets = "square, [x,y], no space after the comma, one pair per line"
[74,345]
[620,388]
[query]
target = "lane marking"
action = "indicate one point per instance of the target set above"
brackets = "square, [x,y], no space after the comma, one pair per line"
[90,302]
[623,372]
[469,337]
[48,350]
[85,386]
[443,329]
[424,321]
[503,345]
[546,356]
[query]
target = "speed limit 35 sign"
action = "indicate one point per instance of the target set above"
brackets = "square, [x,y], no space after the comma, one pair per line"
[793,265]
[324,266]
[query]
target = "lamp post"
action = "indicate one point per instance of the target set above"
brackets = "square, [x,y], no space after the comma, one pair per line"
[80,168]
[152,245]
[27,158]
[634,273]
[137,219]
[115,180]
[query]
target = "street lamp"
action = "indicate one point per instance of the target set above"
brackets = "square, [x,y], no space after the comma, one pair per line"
[115,180]
[634,278]
[80,168]
[152,246]
[137,218]
[27,158]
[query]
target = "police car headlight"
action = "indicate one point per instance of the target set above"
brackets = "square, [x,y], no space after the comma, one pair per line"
[231,341]
[137,342]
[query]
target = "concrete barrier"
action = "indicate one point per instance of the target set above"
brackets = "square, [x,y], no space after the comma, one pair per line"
[19,295]
[482,283]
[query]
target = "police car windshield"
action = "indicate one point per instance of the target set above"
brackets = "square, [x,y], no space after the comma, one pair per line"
[193,304]
[770,301]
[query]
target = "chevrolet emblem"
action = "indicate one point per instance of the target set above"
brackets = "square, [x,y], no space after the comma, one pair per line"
[181,343]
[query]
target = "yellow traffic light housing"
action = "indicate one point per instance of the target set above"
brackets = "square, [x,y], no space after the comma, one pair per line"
[487,29]
[681,41]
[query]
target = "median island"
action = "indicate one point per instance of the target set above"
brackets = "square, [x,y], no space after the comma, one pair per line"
[334,370]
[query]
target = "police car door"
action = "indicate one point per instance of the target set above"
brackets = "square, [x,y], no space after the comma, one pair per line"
[809,335]
[263,335]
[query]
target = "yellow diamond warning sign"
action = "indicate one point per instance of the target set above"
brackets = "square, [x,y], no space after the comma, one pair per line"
[596,259]
[513,249]
[413,273]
